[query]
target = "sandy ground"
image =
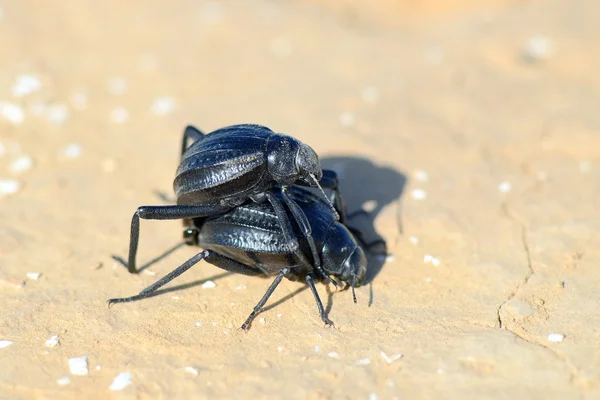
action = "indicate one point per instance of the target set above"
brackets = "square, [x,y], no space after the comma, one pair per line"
[470,130]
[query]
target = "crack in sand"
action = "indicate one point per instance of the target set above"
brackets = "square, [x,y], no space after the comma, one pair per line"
[573,370]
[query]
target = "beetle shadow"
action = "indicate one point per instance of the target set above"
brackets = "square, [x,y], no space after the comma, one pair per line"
[364,184]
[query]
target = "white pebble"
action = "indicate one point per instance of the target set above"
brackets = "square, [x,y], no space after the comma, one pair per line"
[317,349]
[419,194]
[538,48]
[373,396]
[191,370]
[208,285]
[163,106]
[63,381]
[198,324]
[21,164]
[79,100]
[119,115]
[390,359]
[585,167]
[421,175]
[34,275]
[505,187]
[556,337]
[12,112]
[9,186]
[431,259]
[413,239]
[117,86]
[333,354]
[174,297]
[240,287]
[5,343]
[278,315]
[280,348]
[121,381]
[363,361]
[261,320]
[98,367]
[25,85]
[370,94]
[53,341]
[72,150]
[281,47]
[57,113]
[347,119]
[78,366]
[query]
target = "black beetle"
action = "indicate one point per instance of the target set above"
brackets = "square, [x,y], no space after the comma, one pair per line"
[249,240]
[224,168]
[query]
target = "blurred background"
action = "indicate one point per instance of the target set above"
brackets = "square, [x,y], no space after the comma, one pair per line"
[468,129]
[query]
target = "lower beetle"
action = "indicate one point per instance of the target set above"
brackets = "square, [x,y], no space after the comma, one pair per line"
[249,240]
[225,168]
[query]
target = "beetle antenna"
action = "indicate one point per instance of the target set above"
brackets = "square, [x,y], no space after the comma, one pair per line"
[353,292]
[335,213]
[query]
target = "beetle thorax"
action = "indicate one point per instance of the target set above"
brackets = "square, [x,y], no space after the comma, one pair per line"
[281,159]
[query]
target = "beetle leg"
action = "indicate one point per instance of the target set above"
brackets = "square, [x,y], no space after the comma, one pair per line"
[264,299]
[306,231]
[330,181]
[210,256]
[288,234]
[324,317]
[164,212]
[190,133]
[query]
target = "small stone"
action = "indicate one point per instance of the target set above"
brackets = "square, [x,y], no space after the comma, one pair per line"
[9,186]
[421,175]
[261,320]
[21,164]
[419,194]
[117,86]
[208,285]
[198,324]
[25,85]
[163,106]
[5,343]
[317,349]
[191,370]
[333,354]
[505,187]
[363,361]
[72,150]
[373,396]
[34,275]
[538,48]
[63,381]
[347,119]
[79,100]
[12,112]
[119,115]
[431,259]
[53,341]
[78,366]
[413,240]
[370,94]
[57,114]
[390,359]
[556,337]
[121,381]
[585,167]
[280,348]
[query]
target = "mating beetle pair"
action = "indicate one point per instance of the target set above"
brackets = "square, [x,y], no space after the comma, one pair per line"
[231,187]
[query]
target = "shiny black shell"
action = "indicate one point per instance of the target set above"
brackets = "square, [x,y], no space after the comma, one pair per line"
[252,235]
[224,167]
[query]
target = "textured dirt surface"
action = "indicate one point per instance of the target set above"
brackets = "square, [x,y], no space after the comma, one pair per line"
[469,130]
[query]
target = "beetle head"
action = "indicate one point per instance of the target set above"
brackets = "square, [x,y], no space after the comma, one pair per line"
[289,160]
[343,257]
[308,165]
